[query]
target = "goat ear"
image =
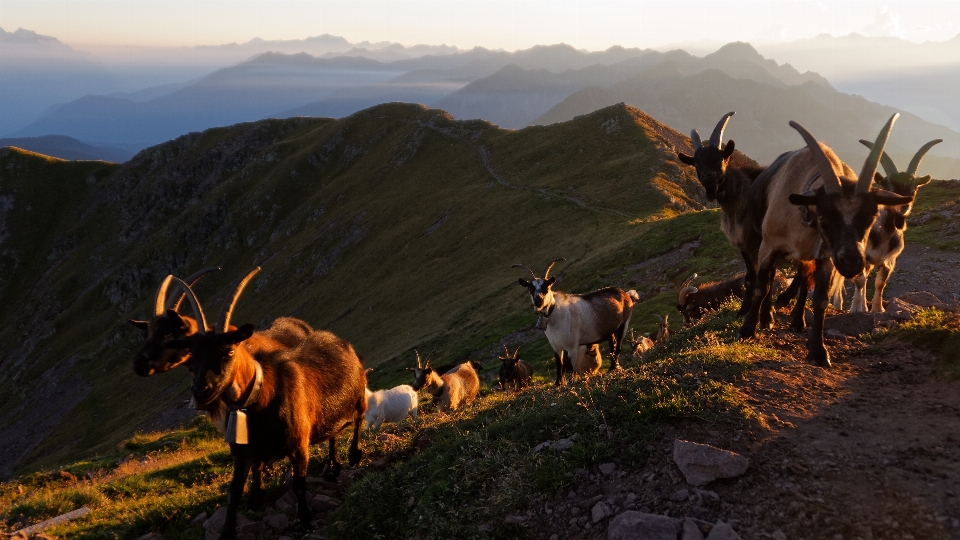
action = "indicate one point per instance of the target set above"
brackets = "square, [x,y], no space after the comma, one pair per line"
[410,369]
[728,149]
[175,317]
[525,283]
[686,159]
[804,199]
[923,180]
[176,344]
[143,325]
[240,334]
[888,198]
[551,280]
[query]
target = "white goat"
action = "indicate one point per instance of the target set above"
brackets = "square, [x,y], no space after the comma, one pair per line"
[391,405]
[580,319]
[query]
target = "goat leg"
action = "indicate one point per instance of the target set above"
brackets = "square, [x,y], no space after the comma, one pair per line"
[354,455]
[883,273]
[749,281]
[792,291]
[615,349]
[796,315]
[300,458]
[761,290]
[332,469]
[766,307]
[241,466]
[816,351]
[256,498]
[558,358]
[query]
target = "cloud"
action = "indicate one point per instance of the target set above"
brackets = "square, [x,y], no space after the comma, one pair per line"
[886,23]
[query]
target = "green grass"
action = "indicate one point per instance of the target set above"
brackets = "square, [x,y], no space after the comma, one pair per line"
[936,331]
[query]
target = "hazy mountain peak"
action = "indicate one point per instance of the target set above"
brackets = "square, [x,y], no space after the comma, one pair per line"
[28,38]
[739,51]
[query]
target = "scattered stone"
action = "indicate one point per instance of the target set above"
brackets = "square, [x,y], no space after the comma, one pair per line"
[514,520]
[691,531]
[323,503]
[633,525]
[680,495]
[284,507]
[600,512]
[722,531]
[575,511]
[607,468]
[561,445]
[778,535]
[702,463]
[485,527]
[277,522]
[63,518]
[411,501]
[199,519]
[854,324]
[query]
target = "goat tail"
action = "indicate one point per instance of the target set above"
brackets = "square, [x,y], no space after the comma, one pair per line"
[634,295]
[835,292]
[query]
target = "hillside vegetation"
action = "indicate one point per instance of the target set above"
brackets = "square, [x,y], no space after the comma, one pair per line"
[395,227]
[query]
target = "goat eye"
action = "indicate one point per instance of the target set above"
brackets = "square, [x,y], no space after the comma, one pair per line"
[230,353]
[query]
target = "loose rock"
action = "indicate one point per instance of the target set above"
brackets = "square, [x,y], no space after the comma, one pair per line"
[722,531]
[691,531]
[199,519]
[632,525]
[607,468]
[702,463]
[680,495]
[600,512]
[277,522]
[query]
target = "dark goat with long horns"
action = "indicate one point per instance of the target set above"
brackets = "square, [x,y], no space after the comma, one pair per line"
[840,208]
[579,319]
[885,241]
[282,401]
[727,178]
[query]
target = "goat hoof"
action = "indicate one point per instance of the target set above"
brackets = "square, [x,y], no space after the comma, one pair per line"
[821,359]
[746,333]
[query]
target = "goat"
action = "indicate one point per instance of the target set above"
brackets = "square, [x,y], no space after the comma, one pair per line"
[456,387]
[832,230]
[580,319]
[282,401]
[588,360]
[514,371]
[392,405]
[694,301]
[727,179]
[639,346]
[663,329]
[885,241]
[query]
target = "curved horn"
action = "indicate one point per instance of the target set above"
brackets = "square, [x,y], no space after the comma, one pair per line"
[191,281]
[418,359]
[231,302]
[506,351]
[195,304]
[682,295]
[516,352]
[695,140]
[889,166]
[659,318]
[717,136]
[831,182]
[546,273]
[870,165]
[429,356]
[527,268]
[159,304]
[915,162]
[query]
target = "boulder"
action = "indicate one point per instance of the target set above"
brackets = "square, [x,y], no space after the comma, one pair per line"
[600,512]
[680,495]
[722,531]
[702,463]
[855,324]
[607,468]
[690,530]
[633,525]
[277,522]
[199,519]
[324,503]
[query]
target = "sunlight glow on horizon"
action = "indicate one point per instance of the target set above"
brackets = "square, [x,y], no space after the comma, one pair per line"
[494,24]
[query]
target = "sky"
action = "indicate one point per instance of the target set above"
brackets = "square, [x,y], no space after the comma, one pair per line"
[496,24]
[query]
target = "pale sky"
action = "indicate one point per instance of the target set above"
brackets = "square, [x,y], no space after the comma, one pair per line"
[506,24]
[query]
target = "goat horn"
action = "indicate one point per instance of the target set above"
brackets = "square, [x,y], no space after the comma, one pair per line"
[870,165]
[418,359]
[429,356]
[506,351]
[915,162]
[684,292]
[695,140]
[161,300]
[191,281]
[717,137]
[527,268]
[516,352]
[831,182]
[546,273]
[659,318]
[224,323]
[889,166]
[195,304]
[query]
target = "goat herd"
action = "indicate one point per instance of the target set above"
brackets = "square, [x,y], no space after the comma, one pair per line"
[275,392]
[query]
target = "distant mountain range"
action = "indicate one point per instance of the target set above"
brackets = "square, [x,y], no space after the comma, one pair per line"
[68,148]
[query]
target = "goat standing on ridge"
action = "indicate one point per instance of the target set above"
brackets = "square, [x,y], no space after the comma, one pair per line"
[885,241]
[579,319]
[456,387]
[663,328]
[843,208]
[288,399]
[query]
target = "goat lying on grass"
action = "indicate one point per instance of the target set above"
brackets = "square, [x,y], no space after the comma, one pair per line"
[580,319]
[289,398]
[514,372]
[392,405]
[457,387]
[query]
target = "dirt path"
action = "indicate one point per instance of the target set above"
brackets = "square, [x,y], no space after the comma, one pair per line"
[869,449]
[922,268]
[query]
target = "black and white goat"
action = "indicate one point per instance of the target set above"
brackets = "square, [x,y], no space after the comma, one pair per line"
[579,319]
[816,208]
[885,242]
